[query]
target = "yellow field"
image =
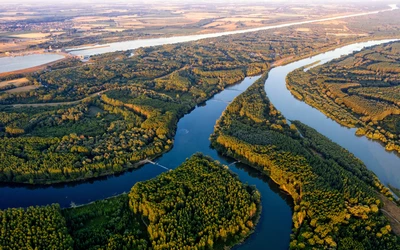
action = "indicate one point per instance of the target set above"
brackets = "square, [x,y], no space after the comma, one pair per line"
[18,83]
[36,35]
[199,15]
[244,19]
[303,29]
[221,26]
[10,46]
[114,29]
[333,22]
[347,34]
[151,21]
[22,89]
[15,82]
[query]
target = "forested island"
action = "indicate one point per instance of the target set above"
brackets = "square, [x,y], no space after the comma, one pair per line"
[199,205]
[336,201]
[359,90]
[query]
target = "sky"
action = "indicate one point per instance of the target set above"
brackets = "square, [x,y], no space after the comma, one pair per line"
[194,1]
[69,2]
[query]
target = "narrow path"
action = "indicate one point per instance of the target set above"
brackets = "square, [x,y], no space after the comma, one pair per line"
[143,221]
[392,212]
[383,210]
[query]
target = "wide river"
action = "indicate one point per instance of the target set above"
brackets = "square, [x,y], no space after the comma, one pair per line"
[192,136]
[22,62]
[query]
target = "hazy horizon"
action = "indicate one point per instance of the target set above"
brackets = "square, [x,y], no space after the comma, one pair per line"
[197,1]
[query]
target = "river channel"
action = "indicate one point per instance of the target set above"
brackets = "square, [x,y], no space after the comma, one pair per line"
[386,165]
[22,62]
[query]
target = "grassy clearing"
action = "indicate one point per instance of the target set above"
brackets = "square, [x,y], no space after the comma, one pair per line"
[16,82]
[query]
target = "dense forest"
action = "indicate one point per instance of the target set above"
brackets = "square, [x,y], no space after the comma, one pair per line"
[34,228]
[199,205]
[335,196]
[106,224]
[111,113]
[360,90]
[99,136]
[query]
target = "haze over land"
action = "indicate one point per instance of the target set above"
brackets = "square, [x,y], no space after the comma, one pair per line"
[113,114]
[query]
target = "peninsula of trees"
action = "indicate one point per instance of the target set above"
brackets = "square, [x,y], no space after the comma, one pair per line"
[335,196]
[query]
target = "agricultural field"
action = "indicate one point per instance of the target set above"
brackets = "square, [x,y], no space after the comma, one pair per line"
[17,85]
[27,27]
[20,82]
[360,90]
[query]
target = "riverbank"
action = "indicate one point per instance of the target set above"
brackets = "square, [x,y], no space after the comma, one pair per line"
[56,183]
